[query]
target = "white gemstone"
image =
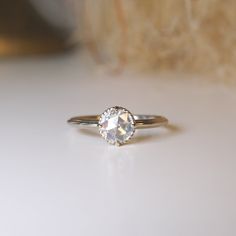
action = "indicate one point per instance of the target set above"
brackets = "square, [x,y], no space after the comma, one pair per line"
[116,125]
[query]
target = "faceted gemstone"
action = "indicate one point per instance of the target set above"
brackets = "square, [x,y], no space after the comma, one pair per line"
[116,125]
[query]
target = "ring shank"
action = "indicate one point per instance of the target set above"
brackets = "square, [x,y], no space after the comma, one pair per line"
[149,121]
[141,121]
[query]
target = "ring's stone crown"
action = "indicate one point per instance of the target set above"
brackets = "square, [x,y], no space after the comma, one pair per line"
[116,125]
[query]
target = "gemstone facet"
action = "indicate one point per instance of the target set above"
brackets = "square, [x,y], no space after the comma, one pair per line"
[116,125]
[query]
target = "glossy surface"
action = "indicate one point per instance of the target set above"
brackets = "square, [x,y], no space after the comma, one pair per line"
[56,181]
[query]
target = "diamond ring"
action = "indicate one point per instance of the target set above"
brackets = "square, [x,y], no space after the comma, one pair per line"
[117,125]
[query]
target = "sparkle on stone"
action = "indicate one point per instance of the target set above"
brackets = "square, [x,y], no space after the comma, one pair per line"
[116,125]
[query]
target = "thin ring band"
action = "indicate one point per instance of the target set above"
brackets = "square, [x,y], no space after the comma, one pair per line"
[141,121]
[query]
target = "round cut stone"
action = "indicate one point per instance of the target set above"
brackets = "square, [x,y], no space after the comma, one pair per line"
[116,125]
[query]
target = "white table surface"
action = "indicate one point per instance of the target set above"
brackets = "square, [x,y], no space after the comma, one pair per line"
[58,181]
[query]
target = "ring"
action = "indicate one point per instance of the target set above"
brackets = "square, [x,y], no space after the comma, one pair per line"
[117,125]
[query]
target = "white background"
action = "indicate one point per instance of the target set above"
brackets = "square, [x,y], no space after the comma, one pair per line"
[56,180]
